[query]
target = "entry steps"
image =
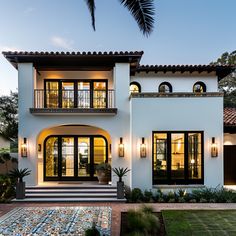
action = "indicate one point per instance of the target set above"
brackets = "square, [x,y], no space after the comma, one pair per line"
[93,193]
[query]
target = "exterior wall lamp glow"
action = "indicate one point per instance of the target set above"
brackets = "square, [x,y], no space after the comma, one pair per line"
[24,148]
[214,148]
[143,148]
[121,148]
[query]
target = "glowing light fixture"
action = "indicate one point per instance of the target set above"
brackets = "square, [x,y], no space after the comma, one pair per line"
[214,148]
[24,148]
[143,149]
[121,148]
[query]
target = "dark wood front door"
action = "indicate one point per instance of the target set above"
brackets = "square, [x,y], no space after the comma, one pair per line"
[230,164]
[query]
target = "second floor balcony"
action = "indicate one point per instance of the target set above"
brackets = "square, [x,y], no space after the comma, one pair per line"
[84,101]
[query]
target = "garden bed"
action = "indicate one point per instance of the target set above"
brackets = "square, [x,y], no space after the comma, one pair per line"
[158,229]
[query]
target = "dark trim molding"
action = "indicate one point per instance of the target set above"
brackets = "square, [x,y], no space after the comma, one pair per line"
[84,111]
[157,95]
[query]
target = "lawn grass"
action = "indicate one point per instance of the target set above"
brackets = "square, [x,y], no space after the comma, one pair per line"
[199,222]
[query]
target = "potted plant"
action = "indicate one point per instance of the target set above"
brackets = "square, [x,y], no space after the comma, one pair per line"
[120,173]
[103,173]
[18,175]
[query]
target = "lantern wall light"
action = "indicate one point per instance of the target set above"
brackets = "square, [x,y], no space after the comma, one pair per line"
[121,148]
[24,148]
[143,148]
[214,148]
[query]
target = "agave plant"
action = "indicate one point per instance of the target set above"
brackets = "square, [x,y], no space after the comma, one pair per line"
[120,172]
[19,174]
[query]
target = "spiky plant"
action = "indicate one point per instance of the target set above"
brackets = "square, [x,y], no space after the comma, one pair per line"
[120,172]
[19,174]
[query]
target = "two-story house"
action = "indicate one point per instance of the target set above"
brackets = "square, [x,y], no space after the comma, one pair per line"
[76,110]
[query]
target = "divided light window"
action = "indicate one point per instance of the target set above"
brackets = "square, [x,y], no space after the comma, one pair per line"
[178,157]
[75,94]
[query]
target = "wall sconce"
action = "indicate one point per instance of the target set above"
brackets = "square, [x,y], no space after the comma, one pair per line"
[143,149]
[24,148]
[121,148]
[214,148]
[39,147]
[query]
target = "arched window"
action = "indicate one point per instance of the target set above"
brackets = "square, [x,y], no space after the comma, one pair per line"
[199,87]
[165,87]
[135,87]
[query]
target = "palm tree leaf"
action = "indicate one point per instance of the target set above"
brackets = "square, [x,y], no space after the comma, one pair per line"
[143,12]
[91,7]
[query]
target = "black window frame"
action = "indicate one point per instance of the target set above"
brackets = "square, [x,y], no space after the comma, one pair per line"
[137,84]
[75,177]
[167,84]
[201,84]
[186,180]
[75,81]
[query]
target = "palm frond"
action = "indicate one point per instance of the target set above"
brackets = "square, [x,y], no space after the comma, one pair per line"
[143,12]
[91,7]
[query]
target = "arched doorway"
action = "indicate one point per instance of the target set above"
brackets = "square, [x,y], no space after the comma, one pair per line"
[74,156]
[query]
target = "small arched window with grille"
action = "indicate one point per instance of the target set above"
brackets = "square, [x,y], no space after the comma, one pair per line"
[199,87]
[165,87]
[135,87]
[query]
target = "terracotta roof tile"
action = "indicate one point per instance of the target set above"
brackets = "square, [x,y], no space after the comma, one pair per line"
[131,53]
[230,116]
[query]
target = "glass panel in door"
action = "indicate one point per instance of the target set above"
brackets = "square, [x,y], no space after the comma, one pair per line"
[83,156]
[67,163]
[160,156]
[51,160]
[67,94]
[52,94]
[194,155]
[83,95]
[99,95]
[99,151]
[177,156]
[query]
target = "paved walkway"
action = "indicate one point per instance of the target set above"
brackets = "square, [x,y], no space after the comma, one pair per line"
[117,208]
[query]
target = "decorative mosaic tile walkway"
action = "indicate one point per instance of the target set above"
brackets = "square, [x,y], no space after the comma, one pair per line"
[53,221]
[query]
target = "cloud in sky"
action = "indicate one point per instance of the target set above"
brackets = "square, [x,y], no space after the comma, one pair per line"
[61,42]
[28,10]
[9,48]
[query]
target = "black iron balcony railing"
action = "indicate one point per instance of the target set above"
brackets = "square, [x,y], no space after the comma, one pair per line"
[74,99]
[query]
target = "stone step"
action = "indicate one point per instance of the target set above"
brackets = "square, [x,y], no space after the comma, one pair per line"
[69,195]
[72,187]
[70,200]
[71,191]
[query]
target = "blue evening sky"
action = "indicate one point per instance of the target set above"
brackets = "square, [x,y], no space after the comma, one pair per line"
[186,31]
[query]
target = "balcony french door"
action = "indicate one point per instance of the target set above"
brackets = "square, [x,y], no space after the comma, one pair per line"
[73,157]
[76,94]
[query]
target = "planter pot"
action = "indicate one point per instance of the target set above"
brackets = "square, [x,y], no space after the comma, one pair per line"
[103,178]
[20,190]
[120,190]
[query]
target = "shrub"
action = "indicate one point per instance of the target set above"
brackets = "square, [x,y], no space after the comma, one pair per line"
[203,200]
[142,222]
[136,195]
[7,190]
[148,196]
[92,231]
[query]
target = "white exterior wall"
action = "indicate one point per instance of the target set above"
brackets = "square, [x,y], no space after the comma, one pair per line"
[176,114]
[30,126]
[180,82]
[229,139]
[136,118]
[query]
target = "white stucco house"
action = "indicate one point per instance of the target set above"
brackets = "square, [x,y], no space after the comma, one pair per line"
[76,110]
